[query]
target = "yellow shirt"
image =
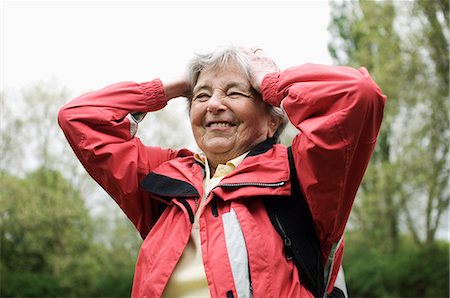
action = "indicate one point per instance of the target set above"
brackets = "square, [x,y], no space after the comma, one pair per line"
[188,278]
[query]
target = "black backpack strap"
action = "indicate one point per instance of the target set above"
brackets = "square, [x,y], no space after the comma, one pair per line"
[292,219]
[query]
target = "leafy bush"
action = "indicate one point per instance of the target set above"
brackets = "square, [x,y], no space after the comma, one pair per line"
[48,242]
[410,271]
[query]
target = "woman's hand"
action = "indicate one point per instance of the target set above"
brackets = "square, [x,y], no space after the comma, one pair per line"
[260,66]
[176,87]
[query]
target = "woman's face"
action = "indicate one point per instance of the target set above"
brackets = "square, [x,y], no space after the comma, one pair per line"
[227,117]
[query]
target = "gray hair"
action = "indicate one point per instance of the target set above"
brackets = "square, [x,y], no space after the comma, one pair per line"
[219,58]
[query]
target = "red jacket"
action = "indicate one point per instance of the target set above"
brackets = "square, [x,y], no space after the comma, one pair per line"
[338,111]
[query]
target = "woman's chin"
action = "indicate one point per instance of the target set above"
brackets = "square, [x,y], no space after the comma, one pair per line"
[218,145]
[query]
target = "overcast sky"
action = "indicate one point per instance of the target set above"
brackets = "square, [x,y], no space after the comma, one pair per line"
[88,44]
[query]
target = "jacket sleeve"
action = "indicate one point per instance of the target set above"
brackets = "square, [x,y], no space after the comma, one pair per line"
[338,111]
[100,128]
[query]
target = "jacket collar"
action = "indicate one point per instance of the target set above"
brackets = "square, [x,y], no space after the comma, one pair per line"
[183,177]
[262,147]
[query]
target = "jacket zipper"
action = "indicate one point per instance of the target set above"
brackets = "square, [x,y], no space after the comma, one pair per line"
[286,240]
[288,251]
[258,184]
[215,212]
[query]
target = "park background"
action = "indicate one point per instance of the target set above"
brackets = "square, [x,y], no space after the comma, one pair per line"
[63,236]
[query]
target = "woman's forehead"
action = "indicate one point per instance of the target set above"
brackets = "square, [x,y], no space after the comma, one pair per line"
[229,75]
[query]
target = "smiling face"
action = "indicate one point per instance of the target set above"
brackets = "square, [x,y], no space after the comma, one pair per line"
[228,118]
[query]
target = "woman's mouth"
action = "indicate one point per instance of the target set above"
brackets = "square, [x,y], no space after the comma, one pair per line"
[219,124]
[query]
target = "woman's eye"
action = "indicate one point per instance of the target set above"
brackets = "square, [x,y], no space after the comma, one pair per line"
[202,97]
[236,94]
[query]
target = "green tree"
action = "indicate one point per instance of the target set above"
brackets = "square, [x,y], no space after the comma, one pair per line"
[120,244]
[432,154]
[410,163]
[51,243]
[392,240]
[10,127]
[30,134]
[46,235]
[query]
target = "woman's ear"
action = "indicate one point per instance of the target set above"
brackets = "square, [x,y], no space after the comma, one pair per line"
[274,123]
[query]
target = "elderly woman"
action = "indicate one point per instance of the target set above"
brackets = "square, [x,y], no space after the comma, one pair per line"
[205,227]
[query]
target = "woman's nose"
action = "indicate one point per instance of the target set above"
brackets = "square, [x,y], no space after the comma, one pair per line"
[216,104]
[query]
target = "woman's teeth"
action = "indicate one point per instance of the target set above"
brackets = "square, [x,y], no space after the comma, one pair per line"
[220,124]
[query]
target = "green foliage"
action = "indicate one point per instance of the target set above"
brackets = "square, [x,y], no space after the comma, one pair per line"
[51,245]
[119,248]
[48,246]
[45,230]
[392,248]
[406,183]
[411,271]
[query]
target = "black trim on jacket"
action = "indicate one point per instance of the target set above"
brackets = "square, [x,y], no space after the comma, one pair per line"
[168,187]
[262,147]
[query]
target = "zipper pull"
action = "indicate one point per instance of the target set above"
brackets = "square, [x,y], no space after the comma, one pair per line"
[286,240]
[287,247]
